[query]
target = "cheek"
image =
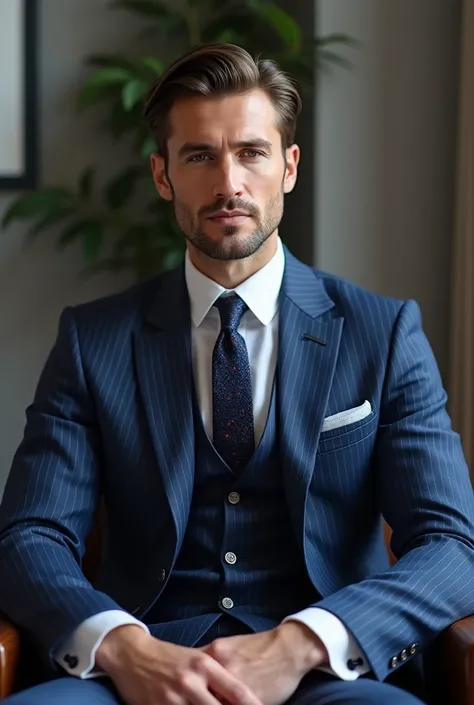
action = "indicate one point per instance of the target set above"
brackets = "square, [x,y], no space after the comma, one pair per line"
[191,186]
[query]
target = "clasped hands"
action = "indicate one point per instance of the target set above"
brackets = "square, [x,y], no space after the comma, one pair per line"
[252,669]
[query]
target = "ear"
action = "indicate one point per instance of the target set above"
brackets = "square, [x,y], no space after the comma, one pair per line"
[291,171]
[158,168]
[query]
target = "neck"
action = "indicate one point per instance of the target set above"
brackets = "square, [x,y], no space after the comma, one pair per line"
[231,273]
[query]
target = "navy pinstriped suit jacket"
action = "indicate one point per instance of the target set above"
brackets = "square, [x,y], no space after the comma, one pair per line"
[112,415]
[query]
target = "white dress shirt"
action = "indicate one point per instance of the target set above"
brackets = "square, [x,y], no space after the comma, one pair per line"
[259,328]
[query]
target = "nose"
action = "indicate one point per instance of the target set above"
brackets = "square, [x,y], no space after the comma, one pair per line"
[228,182]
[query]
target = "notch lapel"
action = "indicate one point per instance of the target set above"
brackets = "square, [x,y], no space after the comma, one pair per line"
[164,369]
[305,373]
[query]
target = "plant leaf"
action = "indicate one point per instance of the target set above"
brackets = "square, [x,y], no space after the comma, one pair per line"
[134,238]
[120,121]
[86,183]
[284,25]
[337,39]
[229,36]
[155,65]
[172,258]
[37,203]
[132,93]
[109,76]
[92,240]
[93,95]
[50,220]
[325,58]
[121,188]
[73,231]
[241,20]
[148,147]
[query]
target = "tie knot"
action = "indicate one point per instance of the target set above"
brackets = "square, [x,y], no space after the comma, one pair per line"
[231,309]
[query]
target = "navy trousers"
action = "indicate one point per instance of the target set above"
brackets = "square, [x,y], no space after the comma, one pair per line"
[315,689]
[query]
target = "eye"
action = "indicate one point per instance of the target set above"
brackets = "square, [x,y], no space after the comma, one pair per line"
[198,158]
[253,153]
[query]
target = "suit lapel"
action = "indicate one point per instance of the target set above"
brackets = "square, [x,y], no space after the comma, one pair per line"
[164,368]
[305,373]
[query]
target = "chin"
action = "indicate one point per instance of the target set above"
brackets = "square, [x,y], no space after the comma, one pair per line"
[231,242]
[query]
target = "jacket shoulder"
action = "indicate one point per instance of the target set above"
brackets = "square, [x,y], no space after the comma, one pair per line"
[354,300]
[122,309]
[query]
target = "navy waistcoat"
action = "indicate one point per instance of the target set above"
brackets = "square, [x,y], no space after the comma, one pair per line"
[239,558]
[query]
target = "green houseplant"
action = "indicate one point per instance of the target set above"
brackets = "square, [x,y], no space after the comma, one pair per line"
[123,224]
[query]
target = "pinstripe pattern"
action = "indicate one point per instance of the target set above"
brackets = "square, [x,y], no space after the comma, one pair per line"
[113,414]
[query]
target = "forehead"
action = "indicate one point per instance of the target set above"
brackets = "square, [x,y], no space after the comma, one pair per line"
[200,119]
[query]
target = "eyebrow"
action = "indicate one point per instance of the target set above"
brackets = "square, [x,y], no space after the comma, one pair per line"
[190,147]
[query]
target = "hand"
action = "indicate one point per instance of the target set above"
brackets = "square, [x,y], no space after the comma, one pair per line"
[147,671]
[271,663]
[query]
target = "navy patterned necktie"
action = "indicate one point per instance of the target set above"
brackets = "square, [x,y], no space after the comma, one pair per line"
[232,404]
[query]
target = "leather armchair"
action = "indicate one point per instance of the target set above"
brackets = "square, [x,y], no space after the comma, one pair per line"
[449,664]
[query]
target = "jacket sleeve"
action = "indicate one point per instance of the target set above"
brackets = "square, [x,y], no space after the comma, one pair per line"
[50,502]
[424,493]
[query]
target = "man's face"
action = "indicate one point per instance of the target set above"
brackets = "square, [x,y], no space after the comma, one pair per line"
[226,173]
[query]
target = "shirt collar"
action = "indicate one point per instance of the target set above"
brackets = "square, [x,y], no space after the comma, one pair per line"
[204,292]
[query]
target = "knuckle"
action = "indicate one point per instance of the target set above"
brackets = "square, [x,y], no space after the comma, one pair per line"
[218,650]
[200,662]
[184,679]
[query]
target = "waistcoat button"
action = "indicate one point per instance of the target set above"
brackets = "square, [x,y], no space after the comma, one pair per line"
[227,603]
[230,558]
[234,498]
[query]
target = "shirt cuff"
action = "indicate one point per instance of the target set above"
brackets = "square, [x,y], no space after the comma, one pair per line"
[346,660]
[77,654]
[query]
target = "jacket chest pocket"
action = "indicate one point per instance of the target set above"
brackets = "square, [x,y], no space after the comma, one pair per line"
[360,433]
[343,473]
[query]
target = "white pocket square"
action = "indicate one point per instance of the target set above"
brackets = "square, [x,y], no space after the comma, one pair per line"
[344,418]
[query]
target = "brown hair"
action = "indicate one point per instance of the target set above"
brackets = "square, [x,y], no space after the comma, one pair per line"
[212,70]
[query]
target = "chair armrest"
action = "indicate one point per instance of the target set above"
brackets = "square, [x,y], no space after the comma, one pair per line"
[451,673]
[9,656]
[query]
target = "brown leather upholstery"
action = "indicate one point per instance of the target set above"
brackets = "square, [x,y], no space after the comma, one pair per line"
[450,666]
[9,655]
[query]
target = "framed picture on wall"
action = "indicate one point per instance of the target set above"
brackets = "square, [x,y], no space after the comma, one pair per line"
[18,94]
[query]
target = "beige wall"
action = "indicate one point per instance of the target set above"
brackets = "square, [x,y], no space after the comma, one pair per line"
[36,283]
[385,151]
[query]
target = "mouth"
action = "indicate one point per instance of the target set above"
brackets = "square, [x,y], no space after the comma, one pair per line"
[229,217]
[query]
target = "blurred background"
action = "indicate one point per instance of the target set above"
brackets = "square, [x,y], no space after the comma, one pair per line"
[386,181]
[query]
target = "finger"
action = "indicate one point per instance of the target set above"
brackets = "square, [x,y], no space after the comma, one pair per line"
[194,689]
[227,686]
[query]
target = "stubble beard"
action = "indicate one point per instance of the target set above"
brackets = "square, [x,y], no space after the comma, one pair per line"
[232,247]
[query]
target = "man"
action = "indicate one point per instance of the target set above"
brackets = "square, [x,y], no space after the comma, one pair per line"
[247,421]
